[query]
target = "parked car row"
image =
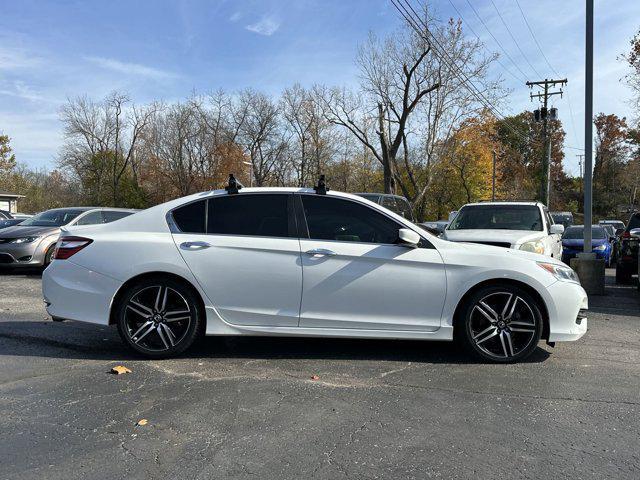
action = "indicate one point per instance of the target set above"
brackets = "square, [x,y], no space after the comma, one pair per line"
[31,242]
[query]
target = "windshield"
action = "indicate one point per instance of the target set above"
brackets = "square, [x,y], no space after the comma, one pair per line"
[498,217]
[52,218]
[577,233]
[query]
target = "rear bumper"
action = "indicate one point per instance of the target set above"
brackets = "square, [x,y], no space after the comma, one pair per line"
[567,312]
[76,293]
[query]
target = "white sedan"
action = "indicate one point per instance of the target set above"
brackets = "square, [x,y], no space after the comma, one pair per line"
[292,262]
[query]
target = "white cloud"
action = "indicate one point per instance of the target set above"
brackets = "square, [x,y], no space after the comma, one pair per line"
[267,25]
[19,89]
[235,17]
[131,68]
[13,59]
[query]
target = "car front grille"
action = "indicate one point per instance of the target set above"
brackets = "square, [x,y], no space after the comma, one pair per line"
[495,244]
[6,258]
[5,240]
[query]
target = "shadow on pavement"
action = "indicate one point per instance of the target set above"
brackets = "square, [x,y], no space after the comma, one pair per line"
[72,340]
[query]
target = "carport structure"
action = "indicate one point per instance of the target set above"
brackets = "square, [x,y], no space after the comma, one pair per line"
[9,201]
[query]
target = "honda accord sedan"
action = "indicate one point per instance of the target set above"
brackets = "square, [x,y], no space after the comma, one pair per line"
[293,262]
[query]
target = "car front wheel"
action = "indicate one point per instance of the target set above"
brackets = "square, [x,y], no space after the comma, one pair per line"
[501,324]
[160,317]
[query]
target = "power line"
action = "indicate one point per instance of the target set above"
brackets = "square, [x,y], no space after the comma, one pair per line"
[451,64]
[486,48]
[524,75]
[524,17]
[514,39]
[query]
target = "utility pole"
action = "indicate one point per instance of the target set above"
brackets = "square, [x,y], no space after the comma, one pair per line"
[588,127]
[544,114]
[493,178]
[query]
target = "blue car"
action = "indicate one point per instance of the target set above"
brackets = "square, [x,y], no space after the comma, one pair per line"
[573,243]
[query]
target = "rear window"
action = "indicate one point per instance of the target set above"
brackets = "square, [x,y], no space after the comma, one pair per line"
[111,216]
[634,222]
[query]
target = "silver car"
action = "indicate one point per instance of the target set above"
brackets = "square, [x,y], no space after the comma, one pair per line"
[32,242]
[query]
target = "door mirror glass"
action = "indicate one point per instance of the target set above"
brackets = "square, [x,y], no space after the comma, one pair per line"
[556,229]
[408,237]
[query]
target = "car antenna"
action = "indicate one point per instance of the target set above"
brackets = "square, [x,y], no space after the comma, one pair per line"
[321,187]
[234,186]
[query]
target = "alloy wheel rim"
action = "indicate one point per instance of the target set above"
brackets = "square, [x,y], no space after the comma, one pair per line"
[502,325]
[157,318]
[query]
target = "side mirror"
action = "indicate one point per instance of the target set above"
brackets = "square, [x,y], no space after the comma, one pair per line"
[558,229]
[408,238]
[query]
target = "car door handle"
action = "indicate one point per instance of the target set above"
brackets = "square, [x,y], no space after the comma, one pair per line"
[320,252]
[194,245]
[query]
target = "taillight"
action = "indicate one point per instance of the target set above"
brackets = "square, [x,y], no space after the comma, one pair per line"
[626,235]
[68,246]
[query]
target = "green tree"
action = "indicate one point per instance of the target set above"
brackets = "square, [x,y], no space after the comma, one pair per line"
[7,157]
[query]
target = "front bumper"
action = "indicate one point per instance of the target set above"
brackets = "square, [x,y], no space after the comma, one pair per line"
[567,311]
[24,254]
[569,253]
[73,292]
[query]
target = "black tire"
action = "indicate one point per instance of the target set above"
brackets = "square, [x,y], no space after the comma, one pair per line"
[48,257]
[510,330]
[144,313]
[623,274]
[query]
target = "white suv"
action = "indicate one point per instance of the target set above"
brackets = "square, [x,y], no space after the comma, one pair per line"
[520,225]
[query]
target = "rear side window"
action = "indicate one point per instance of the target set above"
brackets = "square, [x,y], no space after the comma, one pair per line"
[92,218]
[262,215]
[191,217]
[111,216]
[346,221]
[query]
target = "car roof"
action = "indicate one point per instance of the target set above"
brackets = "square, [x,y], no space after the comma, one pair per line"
[508,202]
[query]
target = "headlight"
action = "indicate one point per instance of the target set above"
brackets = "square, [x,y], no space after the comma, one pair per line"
[600,248]
[561,273]
[24,240]
[535,246]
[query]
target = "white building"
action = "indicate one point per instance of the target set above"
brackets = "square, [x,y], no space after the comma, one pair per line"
[9,201]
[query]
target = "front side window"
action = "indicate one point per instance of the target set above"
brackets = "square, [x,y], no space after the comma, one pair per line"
[498,217]
[260,215]
[346,221]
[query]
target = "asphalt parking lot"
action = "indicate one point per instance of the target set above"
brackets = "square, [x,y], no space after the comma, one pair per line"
[251,408]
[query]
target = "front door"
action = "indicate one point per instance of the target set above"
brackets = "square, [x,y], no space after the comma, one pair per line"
[245,254]
[356,276]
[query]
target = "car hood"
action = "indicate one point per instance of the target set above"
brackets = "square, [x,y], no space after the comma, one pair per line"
[18,231]
[579,242]
[514,237]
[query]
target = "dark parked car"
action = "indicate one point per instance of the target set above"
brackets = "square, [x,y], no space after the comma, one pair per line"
[562,218]
[436,228]
[614,240]
[627,262]
[10,222]
[395,203]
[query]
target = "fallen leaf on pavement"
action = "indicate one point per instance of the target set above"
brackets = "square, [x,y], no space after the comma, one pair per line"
[315,377]
[119,370]
[142,422]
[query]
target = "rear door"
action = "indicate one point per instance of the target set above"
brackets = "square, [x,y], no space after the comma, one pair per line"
[356,276]
[245,254]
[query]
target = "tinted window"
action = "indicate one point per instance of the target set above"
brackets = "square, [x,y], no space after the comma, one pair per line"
[498,217]
[90,218]
[191,217]
[347,221]
[634,222]
[372,197]
[111,216]
[256,215]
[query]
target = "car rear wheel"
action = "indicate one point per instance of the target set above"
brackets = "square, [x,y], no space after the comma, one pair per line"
[501,324]
[160,318]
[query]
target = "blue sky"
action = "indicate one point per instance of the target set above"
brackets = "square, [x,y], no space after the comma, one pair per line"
[164,50]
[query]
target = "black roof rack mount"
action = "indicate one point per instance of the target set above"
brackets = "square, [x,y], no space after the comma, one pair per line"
[234,186]
[321,187]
